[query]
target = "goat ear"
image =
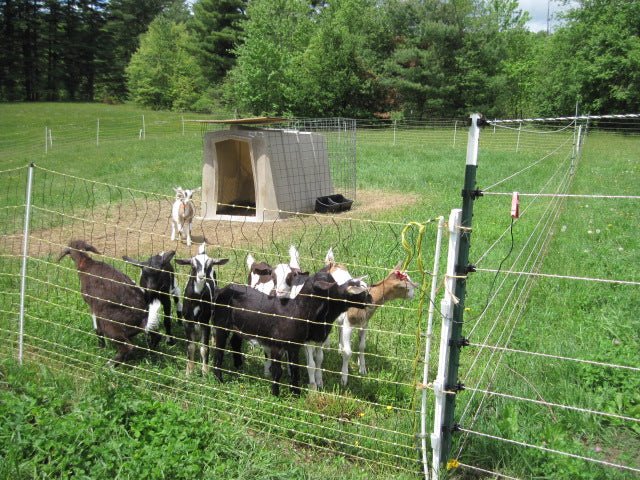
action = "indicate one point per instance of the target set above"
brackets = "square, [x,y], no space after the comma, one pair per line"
[168,256]
[398,266]
[90,248]
[322,285]
[64,253]
[356,289]
[182,261]
[220,261]
[134,262]
[329,258]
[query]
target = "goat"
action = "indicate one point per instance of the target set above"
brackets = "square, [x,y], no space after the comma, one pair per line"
[282,324]
[182,214]
[159,281]
[118,307]
[199,294]
[261,276]
[395,286]
[314,346]
[285,280]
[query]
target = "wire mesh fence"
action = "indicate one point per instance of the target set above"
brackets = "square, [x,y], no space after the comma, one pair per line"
[530,371]
[550,373]
[374,419]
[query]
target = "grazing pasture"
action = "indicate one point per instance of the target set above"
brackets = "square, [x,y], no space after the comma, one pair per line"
[116,191]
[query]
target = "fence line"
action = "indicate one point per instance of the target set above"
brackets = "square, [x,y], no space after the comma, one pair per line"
[388,438]
[565,195]
[551,450]
[563,277]
[556,357]
[375,420]
[523,284]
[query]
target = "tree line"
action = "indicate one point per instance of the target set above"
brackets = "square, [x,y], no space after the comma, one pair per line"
[356,58]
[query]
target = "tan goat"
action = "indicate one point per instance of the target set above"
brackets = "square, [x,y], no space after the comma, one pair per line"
[396,285]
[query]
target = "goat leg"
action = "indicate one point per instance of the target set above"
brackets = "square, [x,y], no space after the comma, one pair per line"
[294,359]
[221,343]
[153,339]
[276,370]
[363,342]
[236,348]
[124,349]
[204,347]
[98,329]
[166,306]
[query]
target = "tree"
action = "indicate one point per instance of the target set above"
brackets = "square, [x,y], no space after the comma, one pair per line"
[336,73]
[216,28]
[125,21]
[11,27]
[493,61]
[276,33]
[422,73]
[162,73]
[594,59]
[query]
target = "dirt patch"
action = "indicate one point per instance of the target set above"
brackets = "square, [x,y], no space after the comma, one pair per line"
[135,229]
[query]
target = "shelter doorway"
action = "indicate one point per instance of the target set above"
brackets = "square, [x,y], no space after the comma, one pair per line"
[236,183]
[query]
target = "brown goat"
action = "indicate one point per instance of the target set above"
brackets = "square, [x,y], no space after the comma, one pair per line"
[117,305]
[395,286]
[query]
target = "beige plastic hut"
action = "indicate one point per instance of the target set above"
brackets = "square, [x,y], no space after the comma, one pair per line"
[259,174]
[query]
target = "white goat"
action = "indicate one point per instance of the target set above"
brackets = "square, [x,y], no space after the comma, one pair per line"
[396,285]
[182,214]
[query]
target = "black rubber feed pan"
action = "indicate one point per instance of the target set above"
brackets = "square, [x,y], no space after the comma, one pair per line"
[333,203]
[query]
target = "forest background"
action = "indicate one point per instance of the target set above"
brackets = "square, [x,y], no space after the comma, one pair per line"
[411,59]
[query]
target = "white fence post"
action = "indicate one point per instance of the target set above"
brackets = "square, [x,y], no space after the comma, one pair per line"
[446,308]
[427,350]
[23,270]
[394,132]
[518,142]
[455,132]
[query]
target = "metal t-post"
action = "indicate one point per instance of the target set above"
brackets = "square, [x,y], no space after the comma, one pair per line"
[469,194]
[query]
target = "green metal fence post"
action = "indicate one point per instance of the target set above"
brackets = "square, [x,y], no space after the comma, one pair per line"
[469,194]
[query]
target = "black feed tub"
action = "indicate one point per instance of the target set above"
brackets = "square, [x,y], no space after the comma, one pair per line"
[333,203]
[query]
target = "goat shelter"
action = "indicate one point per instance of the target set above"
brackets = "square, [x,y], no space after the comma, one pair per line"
[252,173]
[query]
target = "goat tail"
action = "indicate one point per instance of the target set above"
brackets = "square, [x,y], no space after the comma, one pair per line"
[153,319]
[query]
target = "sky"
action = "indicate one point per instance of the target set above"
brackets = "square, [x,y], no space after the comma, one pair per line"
[538,11]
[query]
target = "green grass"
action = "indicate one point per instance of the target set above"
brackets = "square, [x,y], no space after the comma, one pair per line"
[365,430]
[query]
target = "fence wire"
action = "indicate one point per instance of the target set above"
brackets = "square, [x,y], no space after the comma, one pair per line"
[374,419]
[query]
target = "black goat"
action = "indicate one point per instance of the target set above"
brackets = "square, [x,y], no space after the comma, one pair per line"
[118,307]
[159,281]
[199,295]
[282,324]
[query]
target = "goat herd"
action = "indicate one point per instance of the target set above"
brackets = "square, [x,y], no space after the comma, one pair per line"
[280,309]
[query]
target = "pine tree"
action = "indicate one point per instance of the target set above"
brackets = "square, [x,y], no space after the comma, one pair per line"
[216,26]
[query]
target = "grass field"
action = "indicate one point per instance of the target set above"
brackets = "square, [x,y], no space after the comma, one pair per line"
[67,416]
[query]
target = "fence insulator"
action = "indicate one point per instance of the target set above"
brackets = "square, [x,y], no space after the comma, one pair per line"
[515,205]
